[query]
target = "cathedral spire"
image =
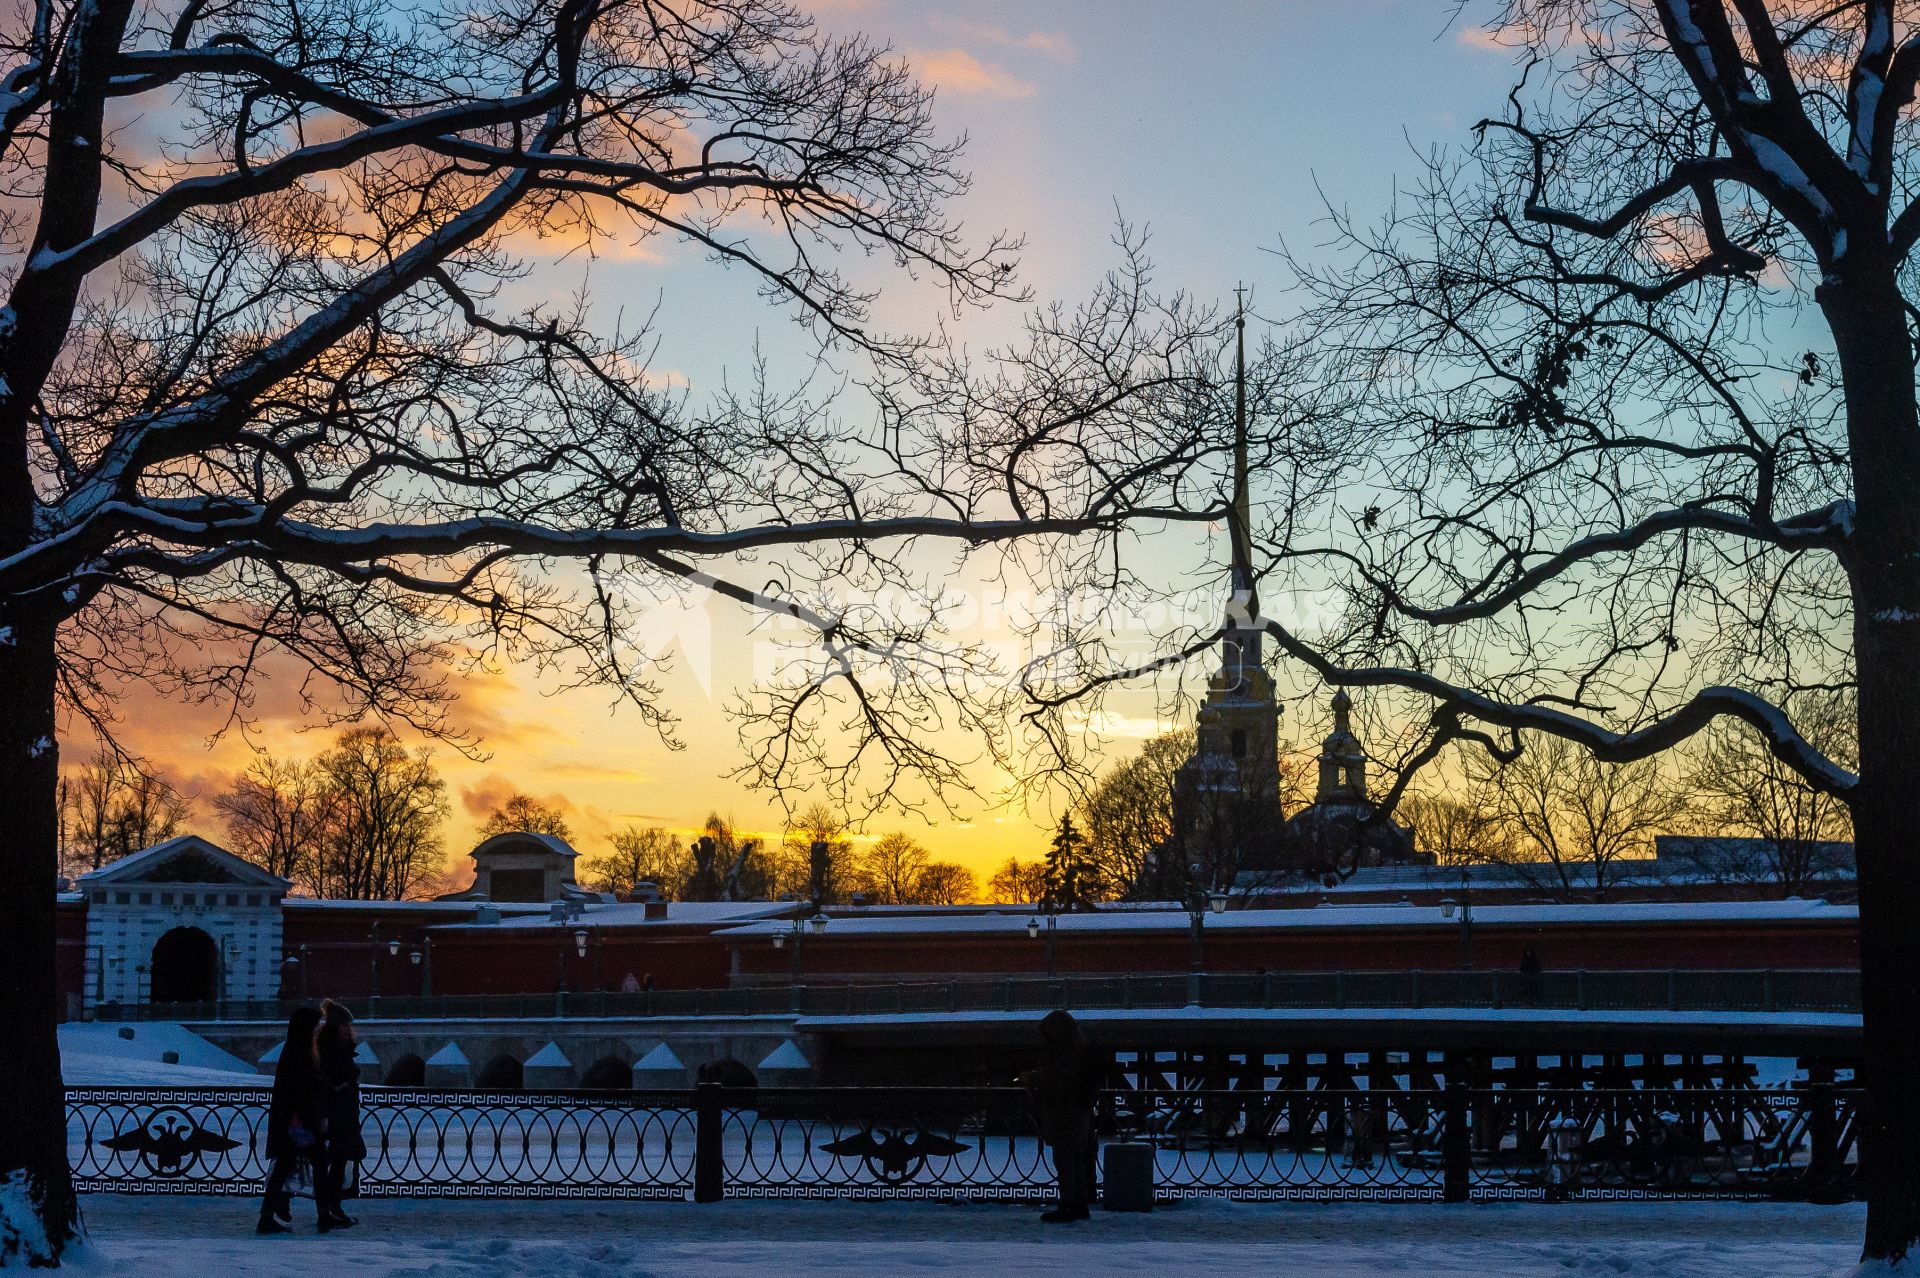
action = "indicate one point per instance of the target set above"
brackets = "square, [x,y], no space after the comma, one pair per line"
[1243,609]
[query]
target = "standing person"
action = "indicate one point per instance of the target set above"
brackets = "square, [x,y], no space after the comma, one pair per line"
[1063,1090]
[340,1110]
[293,1119]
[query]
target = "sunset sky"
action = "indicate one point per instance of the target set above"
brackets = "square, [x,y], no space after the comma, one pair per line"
[1220,127]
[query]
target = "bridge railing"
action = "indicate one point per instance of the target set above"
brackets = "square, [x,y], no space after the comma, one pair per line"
[1645,990]
[1452,1144]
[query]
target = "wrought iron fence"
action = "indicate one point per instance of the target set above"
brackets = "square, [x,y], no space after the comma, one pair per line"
[1457,1144]
[712,1142]
[1678,990]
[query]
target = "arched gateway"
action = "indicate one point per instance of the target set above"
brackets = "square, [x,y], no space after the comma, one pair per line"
[185,967]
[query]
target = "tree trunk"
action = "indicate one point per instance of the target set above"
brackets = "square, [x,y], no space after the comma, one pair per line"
[1876,358]
[39,1216]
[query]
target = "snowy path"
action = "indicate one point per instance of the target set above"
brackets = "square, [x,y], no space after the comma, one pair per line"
[210,1238]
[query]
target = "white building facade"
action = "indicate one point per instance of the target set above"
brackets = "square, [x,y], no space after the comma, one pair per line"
[182,921]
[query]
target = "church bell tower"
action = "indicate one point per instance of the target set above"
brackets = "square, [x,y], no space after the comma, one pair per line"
[1226,798]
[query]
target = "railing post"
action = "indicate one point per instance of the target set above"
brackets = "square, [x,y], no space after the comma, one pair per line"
[709,1164]
[1266,989]
[1673,990]
[1769,996]
[1580,989]
[1007,994]
[1455,1144]
[1340,990]
[1823,1138]
[1413,995]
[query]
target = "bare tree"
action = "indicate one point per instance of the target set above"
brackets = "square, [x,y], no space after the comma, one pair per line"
[114,806]
[1742,790]
[262,393]
[1457,828]
[1630,402]
[383,831]
[1576,821]
[278,814]
[944,883]
[795,870]
[1018,882]
[642,856]
[520,814]
[891,869]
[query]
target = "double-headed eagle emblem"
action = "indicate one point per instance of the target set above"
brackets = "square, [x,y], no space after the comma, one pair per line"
[894,1154]
[169,1142]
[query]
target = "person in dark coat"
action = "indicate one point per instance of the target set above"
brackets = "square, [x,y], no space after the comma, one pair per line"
[340,1113]
[1064,1089]
[293,1118]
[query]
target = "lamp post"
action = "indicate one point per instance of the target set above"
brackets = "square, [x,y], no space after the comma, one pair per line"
[393,951]
[1464,907]
[1200,901]
[794,939]
[1051,925]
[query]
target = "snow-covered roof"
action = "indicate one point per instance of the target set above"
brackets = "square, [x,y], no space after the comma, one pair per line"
[1831,1022]
[1673,870]
[412,907]
[660,1058]
[448,1055]
[786,1056]
[548,842]
[548,1057]
[141,866]
[97,1054]
[1337,916]
[634,914]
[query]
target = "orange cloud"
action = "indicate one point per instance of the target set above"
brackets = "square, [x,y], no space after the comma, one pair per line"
[957,71]
[492,791]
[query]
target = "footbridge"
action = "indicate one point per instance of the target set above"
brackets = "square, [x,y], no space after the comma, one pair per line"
[856,1031]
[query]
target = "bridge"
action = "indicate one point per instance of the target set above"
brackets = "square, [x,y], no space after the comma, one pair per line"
[865,1031]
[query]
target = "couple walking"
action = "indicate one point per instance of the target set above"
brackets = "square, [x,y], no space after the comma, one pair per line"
[313,1123]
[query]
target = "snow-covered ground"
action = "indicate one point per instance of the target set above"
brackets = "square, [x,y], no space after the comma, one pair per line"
[100,1054]
[199,1237]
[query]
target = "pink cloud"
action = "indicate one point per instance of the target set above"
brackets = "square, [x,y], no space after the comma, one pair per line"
[1054,44]
[957,71]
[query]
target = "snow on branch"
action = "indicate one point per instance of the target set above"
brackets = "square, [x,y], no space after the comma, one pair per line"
[1666,731]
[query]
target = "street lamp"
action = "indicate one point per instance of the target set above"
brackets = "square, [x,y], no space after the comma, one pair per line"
[1199,902]
[1052,926]
[1464,908]
[796,932]
[580,941]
